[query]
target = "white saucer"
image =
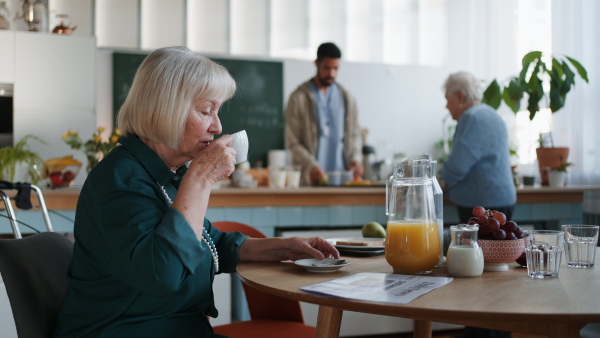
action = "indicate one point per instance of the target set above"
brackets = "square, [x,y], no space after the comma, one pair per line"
[324,265]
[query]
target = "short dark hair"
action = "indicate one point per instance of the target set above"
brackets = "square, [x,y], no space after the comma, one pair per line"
[328,50]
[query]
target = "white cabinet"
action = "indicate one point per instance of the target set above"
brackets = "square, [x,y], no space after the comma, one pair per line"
[54,71]
[7,57]
[54,90]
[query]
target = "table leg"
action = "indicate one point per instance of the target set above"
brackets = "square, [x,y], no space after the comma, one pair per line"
[329,322]
[422,329]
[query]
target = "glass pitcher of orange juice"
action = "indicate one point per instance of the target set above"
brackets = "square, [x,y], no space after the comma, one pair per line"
[412,243]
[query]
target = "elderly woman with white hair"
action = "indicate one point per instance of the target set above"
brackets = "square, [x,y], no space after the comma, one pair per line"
[145,255]
[477,172]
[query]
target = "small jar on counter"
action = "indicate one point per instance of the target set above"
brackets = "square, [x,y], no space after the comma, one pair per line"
[464,257]
[63,25]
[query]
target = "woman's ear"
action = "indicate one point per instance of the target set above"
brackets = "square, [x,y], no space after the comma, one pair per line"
[461,96]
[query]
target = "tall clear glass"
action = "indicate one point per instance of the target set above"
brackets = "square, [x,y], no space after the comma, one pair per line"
[438,200]
[412,243]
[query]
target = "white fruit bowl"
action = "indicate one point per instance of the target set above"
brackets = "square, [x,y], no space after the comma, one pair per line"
[61,172]
[498,253]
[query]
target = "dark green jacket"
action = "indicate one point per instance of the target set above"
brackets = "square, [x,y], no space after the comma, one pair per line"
[138,269]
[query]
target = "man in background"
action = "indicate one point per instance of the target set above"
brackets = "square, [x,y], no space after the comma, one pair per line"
[321,122]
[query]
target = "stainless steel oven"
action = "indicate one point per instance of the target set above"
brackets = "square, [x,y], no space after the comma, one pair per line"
[6,115]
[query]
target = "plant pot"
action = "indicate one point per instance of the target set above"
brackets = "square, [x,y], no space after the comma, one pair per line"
[21,174]
[556,179]
[528,181]
[550,158]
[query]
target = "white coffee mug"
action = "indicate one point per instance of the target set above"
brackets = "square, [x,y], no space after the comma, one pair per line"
[240,144]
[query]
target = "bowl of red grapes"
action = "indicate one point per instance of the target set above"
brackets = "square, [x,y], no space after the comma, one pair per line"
[500,240]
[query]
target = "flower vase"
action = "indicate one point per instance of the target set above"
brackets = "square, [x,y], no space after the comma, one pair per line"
[556,179]
[550,158]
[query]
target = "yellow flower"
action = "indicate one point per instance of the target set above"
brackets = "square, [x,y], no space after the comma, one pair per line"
[92,146]
[117,132]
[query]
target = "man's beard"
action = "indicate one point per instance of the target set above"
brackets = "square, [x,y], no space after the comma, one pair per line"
[323,82]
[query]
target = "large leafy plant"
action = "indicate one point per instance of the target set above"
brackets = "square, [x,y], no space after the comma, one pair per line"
[10,157]
[539,81]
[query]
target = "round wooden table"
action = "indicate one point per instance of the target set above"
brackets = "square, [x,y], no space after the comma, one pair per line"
[508,300]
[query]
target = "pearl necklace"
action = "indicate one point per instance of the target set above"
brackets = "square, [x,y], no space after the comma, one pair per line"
[209,242]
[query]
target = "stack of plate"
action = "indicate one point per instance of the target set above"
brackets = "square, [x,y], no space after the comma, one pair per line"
[356,250]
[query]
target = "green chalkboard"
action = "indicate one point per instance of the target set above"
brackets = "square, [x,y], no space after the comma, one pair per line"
[256,107]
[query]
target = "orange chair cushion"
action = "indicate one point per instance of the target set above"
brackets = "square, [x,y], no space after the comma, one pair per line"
[261,328]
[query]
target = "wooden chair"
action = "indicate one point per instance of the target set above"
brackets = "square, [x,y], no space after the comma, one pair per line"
[34,270]
[271,316]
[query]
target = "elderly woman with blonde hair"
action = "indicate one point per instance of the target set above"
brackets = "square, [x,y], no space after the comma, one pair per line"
[145,255]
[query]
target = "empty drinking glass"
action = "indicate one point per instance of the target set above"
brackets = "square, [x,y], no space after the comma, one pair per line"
[543,252]
[580,245]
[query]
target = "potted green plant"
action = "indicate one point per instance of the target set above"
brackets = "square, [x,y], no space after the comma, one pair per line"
[540,81]
[556,175]
[12,157]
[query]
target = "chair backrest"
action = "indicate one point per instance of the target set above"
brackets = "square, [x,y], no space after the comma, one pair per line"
[34,271]
[261,304]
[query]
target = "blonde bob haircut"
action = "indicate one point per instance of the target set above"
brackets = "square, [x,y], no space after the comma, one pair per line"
[164,88]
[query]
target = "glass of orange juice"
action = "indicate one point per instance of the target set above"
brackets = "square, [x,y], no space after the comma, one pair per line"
[412,243]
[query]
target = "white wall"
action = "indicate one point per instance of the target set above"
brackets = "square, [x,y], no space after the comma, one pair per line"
[402,106]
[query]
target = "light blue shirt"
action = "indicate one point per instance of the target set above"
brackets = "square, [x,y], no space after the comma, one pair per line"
[330,111]
[477,170]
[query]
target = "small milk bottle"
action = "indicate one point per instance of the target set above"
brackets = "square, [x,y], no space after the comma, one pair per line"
[464,257]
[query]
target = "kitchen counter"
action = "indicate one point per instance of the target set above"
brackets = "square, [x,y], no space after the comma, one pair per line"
[274,211]
[57,199]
